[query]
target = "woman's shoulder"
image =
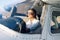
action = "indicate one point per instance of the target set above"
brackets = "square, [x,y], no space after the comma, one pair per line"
[36,20]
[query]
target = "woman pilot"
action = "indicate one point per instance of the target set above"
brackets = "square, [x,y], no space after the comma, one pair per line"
[32,24]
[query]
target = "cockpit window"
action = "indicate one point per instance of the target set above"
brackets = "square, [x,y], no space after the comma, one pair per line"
[55,24]
[17,22]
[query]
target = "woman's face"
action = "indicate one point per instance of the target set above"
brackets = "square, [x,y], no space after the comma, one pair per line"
[30,14]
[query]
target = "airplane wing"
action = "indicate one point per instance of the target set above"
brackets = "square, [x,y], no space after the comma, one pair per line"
[55,3]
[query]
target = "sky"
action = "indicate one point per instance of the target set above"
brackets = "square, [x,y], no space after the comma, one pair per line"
[3,3]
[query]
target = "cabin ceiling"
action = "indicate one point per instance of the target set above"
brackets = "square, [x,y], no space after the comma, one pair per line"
[23,7]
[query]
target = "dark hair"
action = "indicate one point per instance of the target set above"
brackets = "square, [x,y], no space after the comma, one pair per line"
[34,12]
